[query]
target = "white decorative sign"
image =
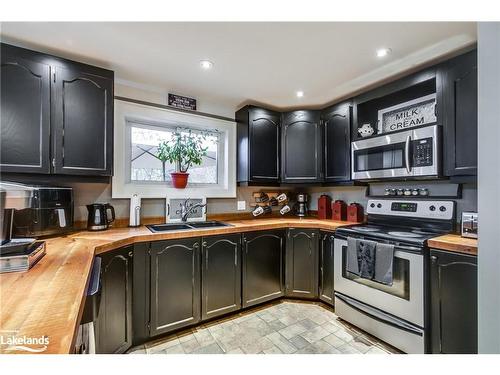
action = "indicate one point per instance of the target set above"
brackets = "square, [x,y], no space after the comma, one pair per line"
[416,112]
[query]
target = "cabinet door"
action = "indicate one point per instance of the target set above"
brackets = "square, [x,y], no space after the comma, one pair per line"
[114,318]
[453,303]
[302,152]
[25,119]
[326,283]
[220,275]
[460,115]
[82,124]
[301,273]
[262,275]
[264,132]
[337,129]
[175,285]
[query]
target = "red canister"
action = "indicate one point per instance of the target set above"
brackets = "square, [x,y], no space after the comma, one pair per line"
[339,210]
[324,207]
[355,213]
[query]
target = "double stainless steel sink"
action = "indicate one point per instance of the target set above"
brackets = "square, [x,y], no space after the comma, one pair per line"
[169,227]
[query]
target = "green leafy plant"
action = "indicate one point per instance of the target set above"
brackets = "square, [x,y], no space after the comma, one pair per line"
[184,149]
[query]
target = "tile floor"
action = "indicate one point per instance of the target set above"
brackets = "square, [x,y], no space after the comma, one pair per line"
[283,328]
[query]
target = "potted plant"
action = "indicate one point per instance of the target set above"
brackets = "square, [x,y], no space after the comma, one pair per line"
[184,149]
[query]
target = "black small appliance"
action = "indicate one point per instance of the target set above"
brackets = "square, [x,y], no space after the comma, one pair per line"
[301,208]
[98,216]
[38,210]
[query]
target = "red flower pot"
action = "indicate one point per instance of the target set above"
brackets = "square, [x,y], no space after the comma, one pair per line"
[179,179]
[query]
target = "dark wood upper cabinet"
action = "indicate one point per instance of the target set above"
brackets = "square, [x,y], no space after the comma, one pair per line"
[453,292]
[25,120]
[336,122]
[57,115]
[82,123]
[258,133]
[301,147]
[459,77]
[114,317]
[174,285]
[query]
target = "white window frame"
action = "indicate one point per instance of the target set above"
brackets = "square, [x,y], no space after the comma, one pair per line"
[126,113]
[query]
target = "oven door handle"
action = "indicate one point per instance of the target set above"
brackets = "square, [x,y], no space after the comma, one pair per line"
[380,315]
[407,154]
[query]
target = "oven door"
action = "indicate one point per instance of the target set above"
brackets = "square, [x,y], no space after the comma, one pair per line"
[404,299]
[398,155]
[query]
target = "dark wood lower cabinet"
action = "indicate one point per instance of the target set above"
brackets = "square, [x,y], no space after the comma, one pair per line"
[453,289]
[114,317]
[174,284]
[262,273]
[301,274]
[178,283]
[220,275]
[326,280]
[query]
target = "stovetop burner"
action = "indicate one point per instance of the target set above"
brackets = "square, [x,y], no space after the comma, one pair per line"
[389,233]
[368,229]
[403,222]
[404,234]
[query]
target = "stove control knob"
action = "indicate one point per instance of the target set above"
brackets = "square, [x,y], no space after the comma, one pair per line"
[442,208]
[372,205]
[379,205]
[432,208]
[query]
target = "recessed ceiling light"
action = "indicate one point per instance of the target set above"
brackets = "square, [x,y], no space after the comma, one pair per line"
[206,64]
[382,52]
[299,94]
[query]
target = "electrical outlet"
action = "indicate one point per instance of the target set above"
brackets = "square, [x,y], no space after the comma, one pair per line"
[242,205]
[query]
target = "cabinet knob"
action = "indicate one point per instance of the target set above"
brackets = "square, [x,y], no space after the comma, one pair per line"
[434,258]
[196,245]
[130,253]
[204,244]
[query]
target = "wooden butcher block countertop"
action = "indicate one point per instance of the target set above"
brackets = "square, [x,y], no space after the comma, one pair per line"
[48,300]
[454,243]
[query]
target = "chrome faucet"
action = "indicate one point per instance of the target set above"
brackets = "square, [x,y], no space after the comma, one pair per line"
[185,210]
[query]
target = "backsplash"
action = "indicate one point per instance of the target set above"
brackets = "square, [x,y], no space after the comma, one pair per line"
[86,193]
[357,194]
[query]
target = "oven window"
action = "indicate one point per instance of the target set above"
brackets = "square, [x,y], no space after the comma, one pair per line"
[401,278]
[383,157]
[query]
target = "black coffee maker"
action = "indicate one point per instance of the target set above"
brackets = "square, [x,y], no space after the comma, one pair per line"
[98,216]
[300,208]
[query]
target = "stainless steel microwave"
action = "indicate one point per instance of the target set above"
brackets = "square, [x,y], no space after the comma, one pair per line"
[406,154]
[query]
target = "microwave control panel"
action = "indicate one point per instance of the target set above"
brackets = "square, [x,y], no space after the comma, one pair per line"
[422,152]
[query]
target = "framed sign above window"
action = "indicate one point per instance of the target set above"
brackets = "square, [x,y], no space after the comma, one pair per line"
[182,102]
[138,131]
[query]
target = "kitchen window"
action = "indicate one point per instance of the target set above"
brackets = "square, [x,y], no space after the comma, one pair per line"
[145,166]
[139,129]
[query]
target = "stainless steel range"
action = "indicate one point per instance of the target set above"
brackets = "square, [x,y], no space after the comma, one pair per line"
[394,311]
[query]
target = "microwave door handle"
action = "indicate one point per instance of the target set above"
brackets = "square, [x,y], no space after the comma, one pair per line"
[407,154]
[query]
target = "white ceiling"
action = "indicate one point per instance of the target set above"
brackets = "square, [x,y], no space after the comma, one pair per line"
[254,62]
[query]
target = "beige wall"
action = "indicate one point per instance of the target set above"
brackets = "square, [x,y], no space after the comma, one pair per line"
[86,193]
[154,95]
